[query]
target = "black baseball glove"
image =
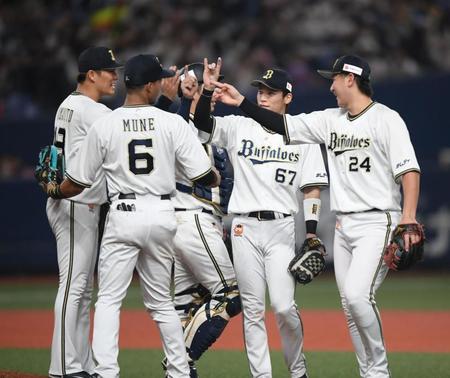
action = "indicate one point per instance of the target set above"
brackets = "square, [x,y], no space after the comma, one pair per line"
[50,168]
[396,256]
[309,261]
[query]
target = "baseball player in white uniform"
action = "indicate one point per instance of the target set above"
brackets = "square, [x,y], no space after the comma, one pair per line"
[75,222]
[206,293]
[267,175]
[370,156]
[138,146]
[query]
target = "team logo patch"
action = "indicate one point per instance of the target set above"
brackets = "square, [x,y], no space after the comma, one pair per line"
[238,230]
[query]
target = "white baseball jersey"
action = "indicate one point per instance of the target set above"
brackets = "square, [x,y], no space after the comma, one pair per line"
[267,172]
[366,154]
[185,200]
[74,118]
[142,144]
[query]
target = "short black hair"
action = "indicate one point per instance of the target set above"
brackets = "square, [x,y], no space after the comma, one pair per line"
[81,77]
[364,86]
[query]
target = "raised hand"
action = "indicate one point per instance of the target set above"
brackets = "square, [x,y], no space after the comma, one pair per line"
[228,94]
[189,85]
[169,85]
[211,72]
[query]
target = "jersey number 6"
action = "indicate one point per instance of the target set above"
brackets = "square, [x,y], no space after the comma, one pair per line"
[144,158]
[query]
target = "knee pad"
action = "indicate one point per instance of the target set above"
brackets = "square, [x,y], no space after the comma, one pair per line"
[198,295]
[210,320]
[230,297]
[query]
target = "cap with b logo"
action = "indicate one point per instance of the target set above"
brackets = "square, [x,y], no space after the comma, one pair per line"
[97,58]
[349,64]
[143,69]
[275,79]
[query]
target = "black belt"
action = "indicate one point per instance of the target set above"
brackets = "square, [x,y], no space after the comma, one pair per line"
[203,210]
[266,215]
[128,196]
[184,188]
[362,211]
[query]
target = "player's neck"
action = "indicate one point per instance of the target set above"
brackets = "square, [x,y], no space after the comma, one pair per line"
[134,99]
[88,91]
[358,104]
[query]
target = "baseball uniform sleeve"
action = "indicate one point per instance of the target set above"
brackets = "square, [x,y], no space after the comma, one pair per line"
[313,171]
[306,128]
[92,114]
[223,128]
[89,158]
[189,152]
[399,147]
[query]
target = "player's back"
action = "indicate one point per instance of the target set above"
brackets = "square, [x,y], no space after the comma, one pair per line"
[73,119]
[140,147]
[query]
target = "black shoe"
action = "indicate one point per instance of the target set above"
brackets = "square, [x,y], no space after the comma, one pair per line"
[192,370]
[304,376]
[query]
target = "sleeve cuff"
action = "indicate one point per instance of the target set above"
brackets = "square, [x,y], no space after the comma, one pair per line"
[78,182]
[201,175]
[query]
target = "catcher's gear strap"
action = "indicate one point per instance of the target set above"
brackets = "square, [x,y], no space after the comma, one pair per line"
[209,322]
[396,256]
[217,197]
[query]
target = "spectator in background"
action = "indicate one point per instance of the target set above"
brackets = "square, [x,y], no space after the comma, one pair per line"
[402,37]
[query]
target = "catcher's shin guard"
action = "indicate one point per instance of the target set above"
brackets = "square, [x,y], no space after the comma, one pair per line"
[210,320]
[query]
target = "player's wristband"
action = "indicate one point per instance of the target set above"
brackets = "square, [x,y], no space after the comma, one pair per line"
[207,93]
[311,209]
[55,192]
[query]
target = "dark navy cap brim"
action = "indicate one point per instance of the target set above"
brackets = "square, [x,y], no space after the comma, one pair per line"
[257,83]
[167,73]
[327,74]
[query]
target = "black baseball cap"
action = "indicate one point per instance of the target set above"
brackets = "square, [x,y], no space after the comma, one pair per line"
[196,70]
[276,79]
[143,69]
[348,63]
[97,58]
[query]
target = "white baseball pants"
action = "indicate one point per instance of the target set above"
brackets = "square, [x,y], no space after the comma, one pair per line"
[359,243]
[262,251]
[143,239]
[75,226]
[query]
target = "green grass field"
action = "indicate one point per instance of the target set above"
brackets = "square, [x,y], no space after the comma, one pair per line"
[400,291]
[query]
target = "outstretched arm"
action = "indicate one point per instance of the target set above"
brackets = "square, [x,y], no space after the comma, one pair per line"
[202,117]
[270,120]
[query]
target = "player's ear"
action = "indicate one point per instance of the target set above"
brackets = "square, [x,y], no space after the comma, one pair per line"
[287,98]
[91,75]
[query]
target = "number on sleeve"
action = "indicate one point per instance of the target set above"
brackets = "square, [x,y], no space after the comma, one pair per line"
[143,159]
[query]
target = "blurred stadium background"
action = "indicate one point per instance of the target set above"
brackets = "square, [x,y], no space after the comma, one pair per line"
[407,43]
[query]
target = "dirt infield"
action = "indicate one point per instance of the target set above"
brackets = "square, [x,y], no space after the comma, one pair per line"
[14,374]
[325,330]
